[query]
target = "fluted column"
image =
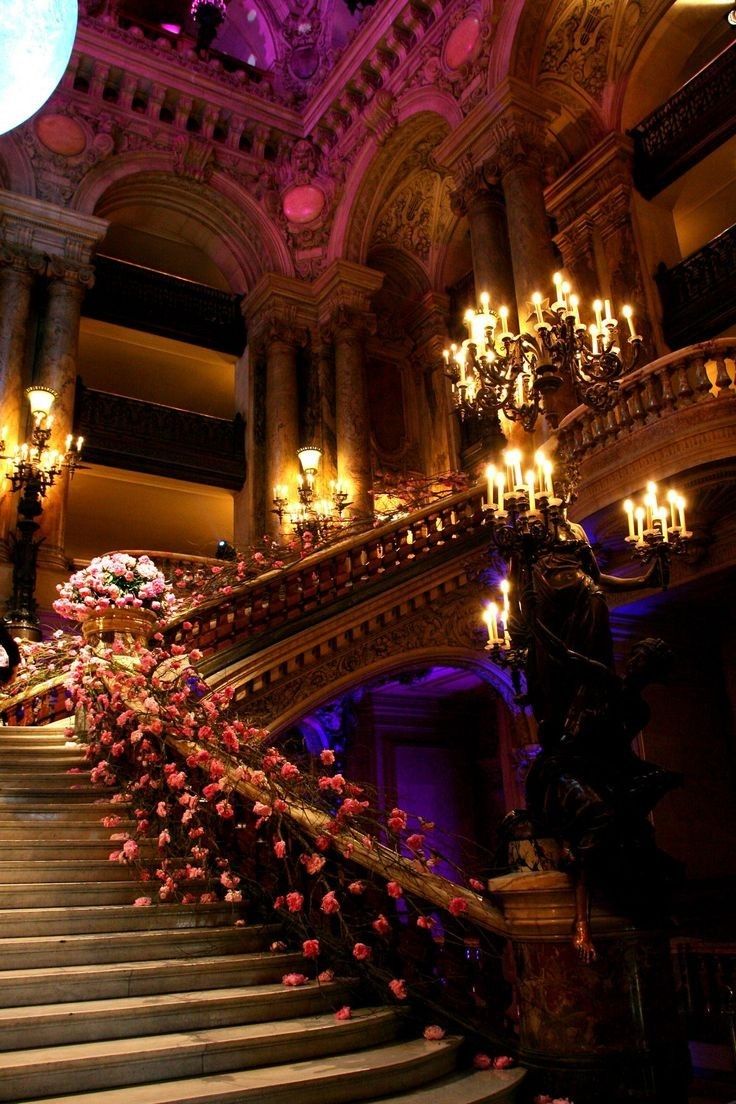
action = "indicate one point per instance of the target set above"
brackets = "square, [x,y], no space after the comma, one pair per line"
[479,197]
[343,295]
[519,144]
[326,429]
[57,368]
[17,273]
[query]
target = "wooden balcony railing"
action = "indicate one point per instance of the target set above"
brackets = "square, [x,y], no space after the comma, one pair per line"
[130,295]
[697,294]
[278,603]
[689,377]
[142,436]
[687,127]
[706,979]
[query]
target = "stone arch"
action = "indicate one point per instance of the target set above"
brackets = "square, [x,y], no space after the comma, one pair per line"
[216,216]
[377,174]
[383,667]
[401,269]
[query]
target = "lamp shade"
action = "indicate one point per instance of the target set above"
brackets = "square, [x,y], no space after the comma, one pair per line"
[36,39]
[309,457]
[41,400]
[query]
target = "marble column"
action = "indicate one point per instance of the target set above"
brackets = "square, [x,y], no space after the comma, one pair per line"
[438,433]
[480,198]
[352,419]
[326,410]
[17,273]
[519,142]
[57,368]
[282,409]
[627,282]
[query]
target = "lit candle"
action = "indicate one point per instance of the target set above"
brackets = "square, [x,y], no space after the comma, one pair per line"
[515,458]
[629,508]
[593,339]
[681,512]
[68,442]
[485,300]
[607,318]
[652,496]
[504,316]
[537,301]
[565,291]
[629,316]
[530,487]
[490,616]
[575,303]
[500,485]
[547,468]
[663,523]
[649,503]
[490,482]
[672,499]
[557,281]
[505,589]
[80,442]
[597,307]
[446,355]
[639,525]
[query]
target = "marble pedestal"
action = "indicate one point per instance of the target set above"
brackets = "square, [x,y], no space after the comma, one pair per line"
[602,1033]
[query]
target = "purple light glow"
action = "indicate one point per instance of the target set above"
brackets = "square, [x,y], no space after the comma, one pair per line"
[172,28]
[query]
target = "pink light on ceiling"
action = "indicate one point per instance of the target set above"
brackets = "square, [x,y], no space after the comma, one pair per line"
[172,28]
[303,203]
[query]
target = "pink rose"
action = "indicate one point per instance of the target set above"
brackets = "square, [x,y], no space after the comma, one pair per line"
[294,901]
[381,925]
[326,976]
[398,988]
[294,979]
[457,906]
[310,948]
[279,849]
[330,903]
[503,1061]
[356,888]
[361,952]
[327,757]
[397,820]
[142,902]
[344,1013]
[394,889]
[482,1062]
[434,1033]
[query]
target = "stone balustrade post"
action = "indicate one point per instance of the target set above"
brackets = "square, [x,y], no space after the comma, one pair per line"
[57,368]
[480,198]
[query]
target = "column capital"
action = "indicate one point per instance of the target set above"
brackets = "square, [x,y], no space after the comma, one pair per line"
[585,187]
[46,228]
[427,322]
[20,260]
[279,308]
[343,294]
[475,186]
[73,276]
[518,137]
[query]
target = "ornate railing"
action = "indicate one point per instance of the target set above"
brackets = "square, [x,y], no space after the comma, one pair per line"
[688,126]
[691,376]
[142,436]
[697,294]
[273,604]
[130,295]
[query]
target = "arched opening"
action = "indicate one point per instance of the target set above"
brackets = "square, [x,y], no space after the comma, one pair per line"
[434,740]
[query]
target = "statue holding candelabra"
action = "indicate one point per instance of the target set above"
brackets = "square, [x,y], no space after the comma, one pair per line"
[587,788]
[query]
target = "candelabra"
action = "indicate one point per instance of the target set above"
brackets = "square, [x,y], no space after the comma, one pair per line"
[495,371]
[319,517]
[32,469]
[529,521]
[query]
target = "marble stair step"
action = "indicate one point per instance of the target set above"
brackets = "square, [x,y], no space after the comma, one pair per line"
[35,738]
[116,1062]
[43,871]
[467,1087]
[340,1079]
[107,981]
[92,808]
[55,847]
[42,830]
[121,892]
[23,797]
[136,946]
[65,920]
[48,759]
[164,1013]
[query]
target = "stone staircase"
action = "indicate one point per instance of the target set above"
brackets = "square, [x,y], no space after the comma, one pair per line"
[106,1003]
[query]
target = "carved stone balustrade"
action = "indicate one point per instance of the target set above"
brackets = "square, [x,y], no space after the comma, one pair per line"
[142,436]
[673,415]
[687,127]
[129,295]
[697,294]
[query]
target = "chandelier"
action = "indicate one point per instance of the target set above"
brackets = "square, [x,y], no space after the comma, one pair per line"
[309,514]
[208,15]
[495,371]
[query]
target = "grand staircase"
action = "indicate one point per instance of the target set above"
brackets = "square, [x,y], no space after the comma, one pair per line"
[108,1003]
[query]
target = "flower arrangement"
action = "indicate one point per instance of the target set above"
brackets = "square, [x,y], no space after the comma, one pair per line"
[115,581]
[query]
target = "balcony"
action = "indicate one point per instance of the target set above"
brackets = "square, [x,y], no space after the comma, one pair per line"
[687,127]
[142,436]
[697,294]
[143,299]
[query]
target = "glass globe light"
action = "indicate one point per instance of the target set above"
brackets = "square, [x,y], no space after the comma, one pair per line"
[36,39]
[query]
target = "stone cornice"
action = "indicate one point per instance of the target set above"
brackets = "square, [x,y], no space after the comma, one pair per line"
[275,294]
[345,285]
[45,228]
[614,148]
[476,132]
